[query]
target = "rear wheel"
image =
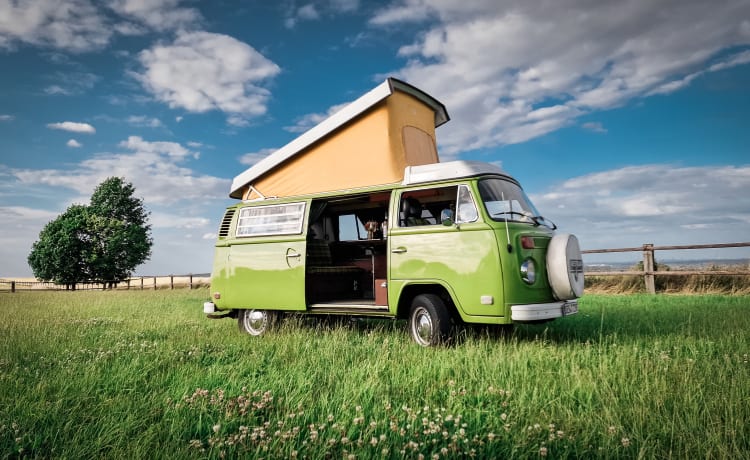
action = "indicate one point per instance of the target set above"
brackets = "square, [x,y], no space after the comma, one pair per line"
[256,322]
[429,321]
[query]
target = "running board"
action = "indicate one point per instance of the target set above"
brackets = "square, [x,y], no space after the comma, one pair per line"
[350,309]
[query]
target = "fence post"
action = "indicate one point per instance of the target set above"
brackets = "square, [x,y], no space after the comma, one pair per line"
[154,283]
[12,286]
[191,281]
[648,268]
[171,282]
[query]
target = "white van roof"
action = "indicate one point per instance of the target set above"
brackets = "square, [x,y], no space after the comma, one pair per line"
[449,170]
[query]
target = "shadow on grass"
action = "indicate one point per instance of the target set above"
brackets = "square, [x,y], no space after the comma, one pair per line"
[599,318]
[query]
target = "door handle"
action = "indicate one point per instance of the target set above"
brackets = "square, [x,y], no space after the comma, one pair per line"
[295,255]
[398,250]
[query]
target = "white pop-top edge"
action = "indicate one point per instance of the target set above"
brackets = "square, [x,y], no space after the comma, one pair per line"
[333,122]
[448,170]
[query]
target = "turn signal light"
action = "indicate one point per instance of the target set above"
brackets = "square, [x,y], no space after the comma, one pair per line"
[217,296]
[527,242]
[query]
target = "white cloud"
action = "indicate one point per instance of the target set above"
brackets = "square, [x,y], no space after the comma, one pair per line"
[170,149]
[70,83]
[238,121]
[658,203]
[73,25]
[5,117]
[594,126]
[73,143]
[21,225]
[169,220]
[409,11]
[313,11]
[155,168]
[497,66]
[202,71]
[158,15]
[251,158]
[308,12]
[344,6]
[56,89]
[143,121]
[73,127]
[178,198]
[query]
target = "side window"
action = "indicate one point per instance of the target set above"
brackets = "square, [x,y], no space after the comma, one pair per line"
[282,219]
[350,228]
[427,206]
[466,210]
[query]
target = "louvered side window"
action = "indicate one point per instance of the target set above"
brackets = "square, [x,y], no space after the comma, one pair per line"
[226,222]
[279,219]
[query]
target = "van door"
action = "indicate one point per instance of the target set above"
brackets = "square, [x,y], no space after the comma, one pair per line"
[440,238]
[267,257]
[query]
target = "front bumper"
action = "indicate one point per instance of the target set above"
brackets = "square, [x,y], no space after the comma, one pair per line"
[543,311]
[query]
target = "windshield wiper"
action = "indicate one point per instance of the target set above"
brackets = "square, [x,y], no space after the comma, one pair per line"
[547,223]
[522,214]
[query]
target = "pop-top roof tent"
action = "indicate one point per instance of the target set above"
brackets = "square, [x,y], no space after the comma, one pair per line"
[369,142]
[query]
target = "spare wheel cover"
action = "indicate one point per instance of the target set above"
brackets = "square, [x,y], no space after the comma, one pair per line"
[565,267]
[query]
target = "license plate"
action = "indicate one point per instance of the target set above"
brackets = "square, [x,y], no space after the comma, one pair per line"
[570,308]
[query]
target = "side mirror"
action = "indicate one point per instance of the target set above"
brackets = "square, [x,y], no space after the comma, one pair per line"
[446,217]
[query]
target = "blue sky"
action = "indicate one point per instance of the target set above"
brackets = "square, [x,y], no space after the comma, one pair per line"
[627,122]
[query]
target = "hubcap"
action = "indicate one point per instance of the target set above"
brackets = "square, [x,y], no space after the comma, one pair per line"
[422,326]
[256,321]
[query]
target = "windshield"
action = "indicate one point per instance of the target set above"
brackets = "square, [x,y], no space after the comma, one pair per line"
[505,201]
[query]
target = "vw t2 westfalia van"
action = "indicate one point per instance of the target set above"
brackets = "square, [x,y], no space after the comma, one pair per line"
[358,217]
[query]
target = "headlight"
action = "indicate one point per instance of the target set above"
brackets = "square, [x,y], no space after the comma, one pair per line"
[528,271]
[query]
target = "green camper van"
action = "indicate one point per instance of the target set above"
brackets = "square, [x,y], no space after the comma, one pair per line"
[406,237]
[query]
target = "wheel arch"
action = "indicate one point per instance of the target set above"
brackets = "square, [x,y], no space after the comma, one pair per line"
[411,290]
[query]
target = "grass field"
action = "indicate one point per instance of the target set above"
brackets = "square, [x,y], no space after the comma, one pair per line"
[145,375]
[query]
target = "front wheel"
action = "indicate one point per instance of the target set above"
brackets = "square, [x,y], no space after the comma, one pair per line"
[256,322]
[429,321]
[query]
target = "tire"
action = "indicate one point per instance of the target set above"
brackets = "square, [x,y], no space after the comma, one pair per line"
[256,322]
[429,321]
[565,267]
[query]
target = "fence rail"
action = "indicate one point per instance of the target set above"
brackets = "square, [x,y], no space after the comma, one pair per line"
[190,281]
[650,271]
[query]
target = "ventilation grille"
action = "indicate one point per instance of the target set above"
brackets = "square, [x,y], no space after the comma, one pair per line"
[226,223]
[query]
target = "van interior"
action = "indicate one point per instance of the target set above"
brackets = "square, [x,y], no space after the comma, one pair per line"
[347,242]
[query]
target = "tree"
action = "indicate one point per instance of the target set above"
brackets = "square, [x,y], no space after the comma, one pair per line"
[121,235]
[62,252]
[102,242]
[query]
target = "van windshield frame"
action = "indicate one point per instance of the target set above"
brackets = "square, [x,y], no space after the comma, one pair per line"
[505,201]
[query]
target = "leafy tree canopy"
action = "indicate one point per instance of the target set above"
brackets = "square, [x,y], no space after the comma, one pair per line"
[102,242]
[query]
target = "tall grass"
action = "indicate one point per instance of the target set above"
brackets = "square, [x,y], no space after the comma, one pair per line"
[683,284]
[146,375]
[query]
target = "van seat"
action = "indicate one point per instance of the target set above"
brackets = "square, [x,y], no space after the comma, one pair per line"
[326,281]
[319,260]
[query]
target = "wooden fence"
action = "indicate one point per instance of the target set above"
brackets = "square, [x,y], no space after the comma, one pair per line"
[190,281]
[649,271]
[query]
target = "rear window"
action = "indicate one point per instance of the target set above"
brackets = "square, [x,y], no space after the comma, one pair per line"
[281,219]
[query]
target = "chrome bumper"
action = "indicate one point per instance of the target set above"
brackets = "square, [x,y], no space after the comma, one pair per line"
[543,311]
